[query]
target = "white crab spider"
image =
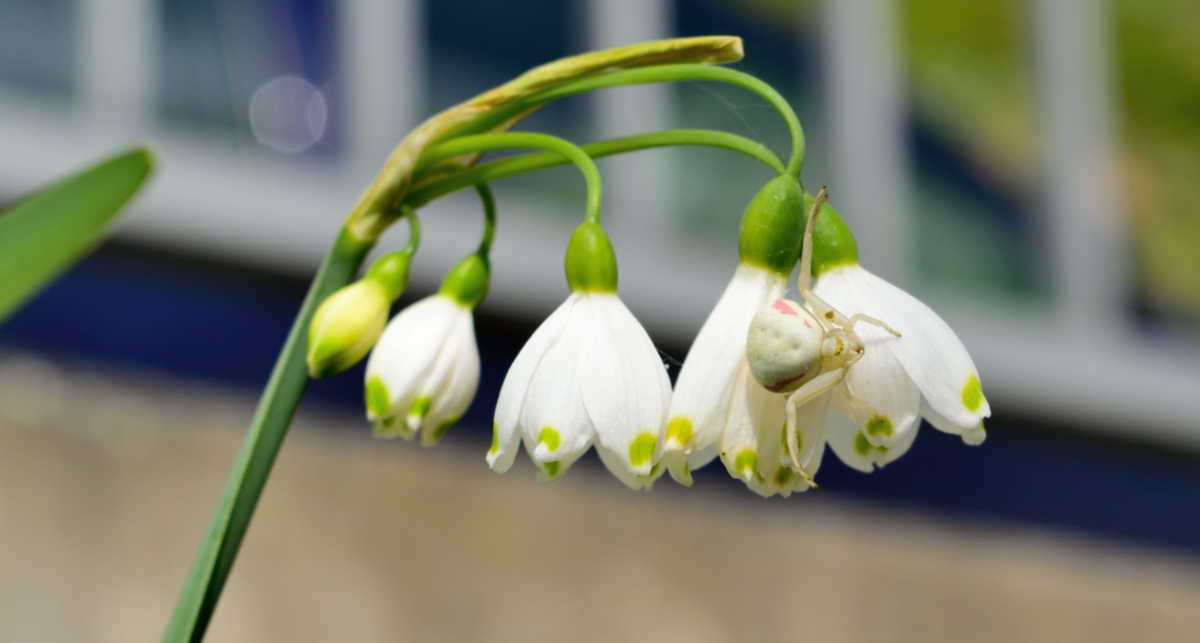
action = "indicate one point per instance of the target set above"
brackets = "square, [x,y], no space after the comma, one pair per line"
[792,350]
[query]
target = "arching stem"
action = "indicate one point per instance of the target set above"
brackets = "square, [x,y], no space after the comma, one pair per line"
[646,75]
[434,186]
[507,141]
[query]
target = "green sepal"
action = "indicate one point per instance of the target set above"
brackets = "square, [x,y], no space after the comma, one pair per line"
[773,226]
[391,272]
[345,327]
[591,263]
[833,242]
[467,282]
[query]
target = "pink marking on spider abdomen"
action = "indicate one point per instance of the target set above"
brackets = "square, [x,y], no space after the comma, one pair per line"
[782,307]
[806,324]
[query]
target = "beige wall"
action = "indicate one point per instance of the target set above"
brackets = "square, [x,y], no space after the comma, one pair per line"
[106,481]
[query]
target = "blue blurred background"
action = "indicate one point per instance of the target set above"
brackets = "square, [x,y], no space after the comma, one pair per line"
[1027,167]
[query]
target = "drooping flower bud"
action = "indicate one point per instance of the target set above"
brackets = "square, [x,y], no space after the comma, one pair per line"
[346,326]
[348,323]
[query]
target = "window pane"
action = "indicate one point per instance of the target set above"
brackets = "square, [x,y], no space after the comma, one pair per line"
[35,45]
[975,144]
[1158,59]
[217,55]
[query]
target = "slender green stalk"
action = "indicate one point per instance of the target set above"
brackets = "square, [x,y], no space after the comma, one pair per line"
[645,75]
[278,404]
[439,187]
[507,141]
[414,229]
[489,219]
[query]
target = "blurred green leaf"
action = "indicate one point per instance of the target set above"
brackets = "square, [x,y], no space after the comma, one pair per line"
[47,232]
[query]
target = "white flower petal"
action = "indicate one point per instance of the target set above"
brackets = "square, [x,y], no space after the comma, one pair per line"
[890,402]
[682,465]
[554,420]
[617,464]
[622,383]
[753,413]
[853,448]
[697,459]
[551,472]
[505,433]
[701,398]
[928,350]
[773,476]
[973,436]
[407,350]
[454,394]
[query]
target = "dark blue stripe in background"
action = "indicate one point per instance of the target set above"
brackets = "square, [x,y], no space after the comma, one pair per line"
[127,307]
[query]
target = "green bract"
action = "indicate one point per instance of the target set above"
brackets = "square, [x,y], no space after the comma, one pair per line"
[833,242]
[346,326]
[591,262]
[773,226]
[467,282]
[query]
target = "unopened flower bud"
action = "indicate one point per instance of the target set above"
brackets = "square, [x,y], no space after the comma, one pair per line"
[783,346]
[346,326]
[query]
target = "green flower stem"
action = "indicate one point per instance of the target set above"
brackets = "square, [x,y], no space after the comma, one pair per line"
[509,167]
[278,404]
[489,219]
[507,141]
[414,229]
[660,74]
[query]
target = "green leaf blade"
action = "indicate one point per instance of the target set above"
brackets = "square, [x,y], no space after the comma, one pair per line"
[47,232]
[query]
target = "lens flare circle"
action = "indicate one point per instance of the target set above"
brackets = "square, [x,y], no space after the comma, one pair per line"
[288,114]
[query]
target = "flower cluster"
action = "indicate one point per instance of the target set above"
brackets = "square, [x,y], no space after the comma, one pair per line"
[766,386]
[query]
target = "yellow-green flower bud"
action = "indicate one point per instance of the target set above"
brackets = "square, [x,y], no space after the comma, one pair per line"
[591,263]
[346,326]
[773,225]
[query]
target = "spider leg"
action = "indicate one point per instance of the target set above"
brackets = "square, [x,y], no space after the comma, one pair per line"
[803,395]
[806,246]
[828,315]
[874,322]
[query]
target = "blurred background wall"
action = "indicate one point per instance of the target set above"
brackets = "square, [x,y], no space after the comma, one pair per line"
[1027,167]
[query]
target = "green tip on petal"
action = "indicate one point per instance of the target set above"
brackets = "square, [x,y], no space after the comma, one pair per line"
[972,394]
[549,437]
[548,472]
[378,400]
[441,429]
[773,225]
[833,242]
[495,439]
[468,281]
[679,431]
[345,327]
[746,462]
[418,411]
[591,263]
[880,425]
[642,449]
